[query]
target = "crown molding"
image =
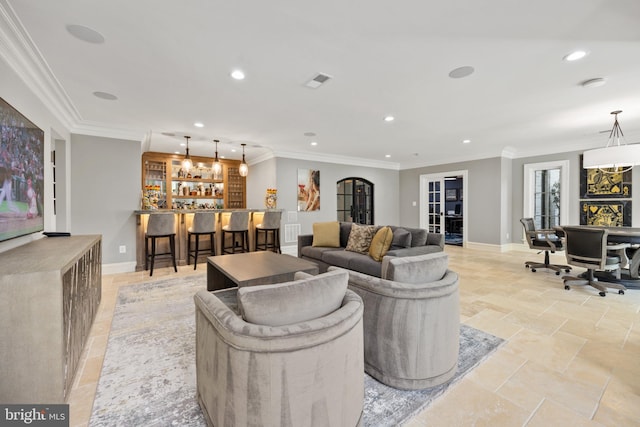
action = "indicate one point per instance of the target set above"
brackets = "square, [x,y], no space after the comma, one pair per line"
[98,129]
[344,160]
[22,55]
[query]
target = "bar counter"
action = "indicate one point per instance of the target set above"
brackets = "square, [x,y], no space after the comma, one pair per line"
[184,218]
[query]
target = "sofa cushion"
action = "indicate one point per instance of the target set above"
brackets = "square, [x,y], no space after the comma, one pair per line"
[317,252]
[340,258]
[293,302]
[326,234]
[364,264]
[360,238]
[418,237]
[380,243]
[415,269]
[401,238]
[345,230]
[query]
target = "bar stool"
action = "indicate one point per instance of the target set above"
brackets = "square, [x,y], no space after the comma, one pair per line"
[160,225]
[203,223]
[270,226]
[238,225]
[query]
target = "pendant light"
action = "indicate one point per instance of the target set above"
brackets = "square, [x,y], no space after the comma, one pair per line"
[614,157]
[217,166]
[244,168]
[187,163]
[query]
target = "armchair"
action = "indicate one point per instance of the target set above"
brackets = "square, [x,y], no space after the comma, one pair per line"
[543,240]
[284,354]
[587,247]
[411,321]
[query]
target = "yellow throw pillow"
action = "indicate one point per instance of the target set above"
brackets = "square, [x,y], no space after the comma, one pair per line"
[381,243]
[326,234]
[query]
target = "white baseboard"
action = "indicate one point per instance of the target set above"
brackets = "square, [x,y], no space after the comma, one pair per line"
[488,247]
[120,267]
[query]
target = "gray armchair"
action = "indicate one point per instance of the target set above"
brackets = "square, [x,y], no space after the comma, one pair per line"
[285,354]
[543,240]
[411,321]
[588,248]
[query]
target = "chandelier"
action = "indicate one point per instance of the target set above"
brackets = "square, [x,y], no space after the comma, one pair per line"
[187,163]
[615,155]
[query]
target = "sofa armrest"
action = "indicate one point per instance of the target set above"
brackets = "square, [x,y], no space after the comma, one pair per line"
[445,286]
[304,240]
[435,239]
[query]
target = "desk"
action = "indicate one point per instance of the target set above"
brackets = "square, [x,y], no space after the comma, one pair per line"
[630,276]
[453,223]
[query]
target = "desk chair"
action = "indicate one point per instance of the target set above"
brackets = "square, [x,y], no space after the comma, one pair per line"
[203,224]
[238,226]
[543,240]
[160,225]
[270,227]
[587,247]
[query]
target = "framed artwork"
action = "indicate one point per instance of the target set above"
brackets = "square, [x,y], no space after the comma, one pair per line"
[609,213]
[308,190]
[451,195]
[604,184]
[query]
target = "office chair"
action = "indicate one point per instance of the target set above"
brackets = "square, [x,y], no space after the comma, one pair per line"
[543,240]
[587,247]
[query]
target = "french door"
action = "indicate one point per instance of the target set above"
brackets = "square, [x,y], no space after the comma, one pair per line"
[433,204]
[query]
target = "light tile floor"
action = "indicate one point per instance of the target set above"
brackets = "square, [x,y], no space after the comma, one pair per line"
[570,357]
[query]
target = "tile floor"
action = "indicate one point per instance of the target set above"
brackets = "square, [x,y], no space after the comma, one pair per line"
[570,357]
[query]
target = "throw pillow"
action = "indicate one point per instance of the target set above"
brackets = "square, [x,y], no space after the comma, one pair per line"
[381,243]
[360,238]
[326,234]
[287,303]
[401,238]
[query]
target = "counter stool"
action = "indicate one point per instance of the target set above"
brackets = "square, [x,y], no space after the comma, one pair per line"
[160,225]
[203,223]
[238,225]
[270,226]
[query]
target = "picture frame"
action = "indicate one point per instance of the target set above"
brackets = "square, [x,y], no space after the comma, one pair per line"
[451,194]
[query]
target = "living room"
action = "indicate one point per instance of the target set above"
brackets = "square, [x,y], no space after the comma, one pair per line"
[98,168]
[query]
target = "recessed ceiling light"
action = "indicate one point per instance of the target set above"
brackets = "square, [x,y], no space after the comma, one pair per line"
[574,56]
[461,72]
[237,74]
[466,141]
[387,155]
[85,34]
[389,118]
[198,125]
[599,81]
[105,95]
[314,143]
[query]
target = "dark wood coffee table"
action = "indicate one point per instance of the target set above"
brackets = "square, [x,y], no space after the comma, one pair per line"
[254,268]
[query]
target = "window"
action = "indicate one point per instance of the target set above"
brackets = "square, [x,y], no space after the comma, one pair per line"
[545,193]
[355,200]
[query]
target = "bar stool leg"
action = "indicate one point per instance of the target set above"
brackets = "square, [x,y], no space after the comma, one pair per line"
[172,242]
[188,248]
[153,254]
[195,257]
[213,243]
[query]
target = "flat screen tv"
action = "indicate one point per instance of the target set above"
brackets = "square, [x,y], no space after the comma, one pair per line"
[21,174]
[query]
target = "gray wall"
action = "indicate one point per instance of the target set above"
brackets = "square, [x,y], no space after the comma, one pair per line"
[105,190]
[485,205]
[261,176]
[286,172]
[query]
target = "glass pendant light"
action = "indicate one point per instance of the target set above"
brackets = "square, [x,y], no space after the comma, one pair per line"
[244,168]
[217,166]
[187,163]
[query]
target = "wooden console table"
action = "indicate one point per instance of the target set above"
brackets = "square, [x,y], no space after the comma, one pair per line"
[50,290]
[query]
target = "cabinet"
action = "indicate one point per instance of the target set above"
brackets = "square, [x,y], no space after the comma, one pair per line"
[50,290]
[166,185]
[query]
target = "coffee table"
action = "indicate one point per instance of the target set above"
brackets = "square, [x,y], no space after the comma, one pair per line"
[254,268]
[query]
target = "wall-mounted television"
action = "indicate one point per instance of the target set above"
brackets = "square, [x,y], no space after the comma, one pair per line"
[21,174]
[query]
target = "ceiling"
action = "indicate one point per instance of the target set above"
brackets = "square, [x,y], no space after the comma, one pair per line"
[169,63]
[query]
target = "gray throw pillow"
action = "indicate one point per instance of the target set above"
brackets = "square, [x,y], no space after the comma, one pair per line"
[401,239]
[293,302]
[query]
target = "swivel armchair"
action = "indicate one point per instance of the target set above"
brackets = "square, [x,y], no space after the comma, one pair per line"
[543,240]
[587,247]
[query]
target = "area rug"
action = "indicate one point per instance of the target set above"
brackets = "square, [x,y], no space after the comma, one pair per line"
[148,376]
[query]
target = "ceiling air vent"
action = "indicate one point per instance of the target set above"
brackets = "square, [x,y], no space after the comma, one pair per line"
[318,80]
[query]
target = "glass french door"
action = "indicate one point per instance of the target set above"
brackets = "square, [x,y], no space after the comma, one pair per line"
[435,206]
[355,200]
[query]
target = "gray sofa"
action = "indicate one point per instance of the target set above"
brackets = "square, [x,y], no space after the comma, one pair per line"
[411,321]
[406,242]
[284,354]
